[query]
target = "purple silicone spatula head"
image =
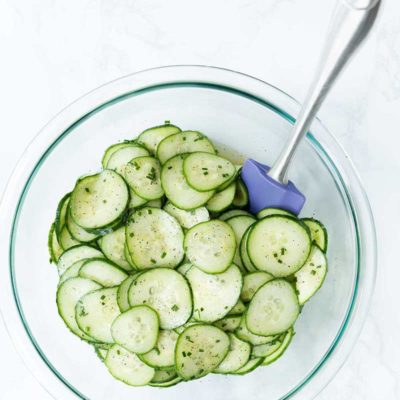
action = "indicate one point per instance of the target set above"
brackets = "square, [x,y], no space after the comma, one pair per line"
[269,187]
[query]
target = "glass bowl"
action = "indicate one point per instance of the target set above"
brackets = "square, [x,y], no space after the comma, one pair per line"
[252,119]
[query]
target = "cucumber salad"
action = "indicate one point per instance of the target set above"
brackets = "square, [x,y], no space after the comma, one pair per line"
[164,271]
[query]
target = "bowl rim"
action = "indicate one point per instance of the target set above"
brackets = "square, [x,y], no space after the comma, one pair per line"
[154,79]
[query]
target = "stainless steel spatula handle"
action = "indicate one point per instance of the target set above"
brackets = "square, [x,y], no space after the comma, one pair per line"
[350,25]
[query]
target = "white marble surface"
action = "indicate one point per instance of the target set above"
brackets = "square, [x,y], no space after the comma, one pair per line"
[53,51]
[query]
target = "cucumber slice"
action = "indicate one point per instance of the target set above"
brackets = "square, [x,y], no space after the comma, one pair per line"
[241,194]
[102,272]
[273,309]
[122,156]
[233,213]
[78,233]
[183,142]
[95,313]
[250,366]
[279,245]
[244,255]
[239,308]
[150,138]
[210,246]
[214,295]
[243,333]
[143,176]
[252,282]
[233,178]
[237,357]
[61,214]
[265,350]
[136,329]
[101,353]
[229,324]
[240,224]
[266,212]
[282,348]
[74,254]
[99,201]
[311,276]
[221,200]
[164,375]
[169,383]
[68,295]
[167,292]
[55,249]
[180,329]
[122,295]
[127,367]
[163,354]
[135,201]
[66,239]
[71,272]
[129,259]
[188,219]
[318,231]
[199,350]
[205,171]
[113,245]
[112,149]
[154,239]
[158,203]
[179,193]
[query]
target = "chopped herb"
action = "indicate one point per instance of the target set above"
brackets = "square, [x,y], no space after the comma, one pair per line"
[184,353]
[131,234]
[275,255]
[189,339]
[189,354]
[201,370]
[201,350]
[163,254]
[103,297]
[184,138]
[283,251]
[199,138]
[136,165]
[313,272]
[153,261]
[170,167]
[149,211]
[83,312]
[201,309]
[219,166]
[118,352]
[205,173]
[280,261]
[217,341]
[152,175]
[87,190]
[205,169]
[225,175]
[175,307]
[157,350]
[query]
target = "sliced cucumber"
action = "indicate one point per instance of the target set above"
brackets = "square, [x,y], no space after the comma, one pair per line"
[184,268]
[78,233]
[101,353]
[112,245]
[210,246]
[184,142]
[282,348]
[221,200]
[163,354]
[199,350]
[205,171]
[311,276]
[250,366]
[240,224]
[266,212]
[239,308]
[180,329]
[252,282]
[68,295]
[233,213]
[66,239]
[122,156]
[99,201]
[229,323]
[188,219]
[136,329]
[102,272]
[150,138]
[273,309]
[55,249]
[112,149]
[238,169]
[279,245]
[74,254]
[165,290]
[179,193]
[122,295]
[169,383]
[143,175]
[214,295]
[244,255]
[127,367]
[318,231]
[61,214]
[71,272]
[135,201]
[241,194]
[154,239]
[129,258]
[265,350]
[164,375]
[158,203]
[243,333]
[95,313]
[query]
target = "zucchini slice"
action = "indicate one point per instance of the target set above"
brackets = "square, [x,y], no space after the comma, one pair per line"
[210,246]
[183,142]
[167,292]
[154,239]
[214,295]
[187,219]
[318,231]
[205,171]
[127,367]
[99,201]
[136,329]
[199,350]
[179,193]
[74,254]
[102,272]
[150,138]
[279,245]
[273,309]
[221,200]
[123,155]
[252,282]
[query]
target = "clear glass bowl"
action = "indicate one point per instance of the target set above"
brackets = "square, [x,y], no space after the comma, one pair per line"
[253,119]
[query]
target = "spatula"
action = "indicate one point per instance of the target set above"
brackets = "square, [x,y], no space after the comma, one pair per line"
[269,187]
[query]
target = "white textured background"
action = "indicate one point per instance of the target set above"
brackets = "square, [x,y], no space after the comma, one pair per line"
[52,51]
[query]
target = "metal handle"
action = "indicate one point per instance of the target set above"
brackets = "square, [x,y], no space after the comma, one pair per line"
[349,27]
